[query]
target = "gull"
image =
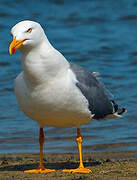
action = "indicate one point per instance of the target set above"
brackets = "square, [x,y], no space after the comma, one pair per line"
[54,92]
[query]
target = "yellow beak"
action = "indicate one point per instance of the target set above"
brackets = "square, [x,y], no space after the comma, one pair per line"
[14,45]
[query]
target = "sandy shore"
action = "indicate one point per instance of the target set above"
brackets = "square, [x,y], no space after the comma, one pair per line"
[104,166]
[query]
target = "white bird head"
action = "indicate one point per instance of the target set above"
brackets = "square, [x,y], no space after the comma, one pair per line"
[26,34]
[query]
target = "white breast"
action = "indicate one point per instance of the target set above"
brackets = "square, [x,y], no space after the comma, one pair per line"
[59,103]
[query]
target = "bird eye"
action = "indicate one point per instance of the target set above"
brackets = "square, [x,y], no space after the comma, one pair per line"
[29,30]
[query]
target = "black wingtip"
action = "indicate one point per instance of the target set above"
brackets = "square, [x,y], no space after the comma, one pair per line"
[118,110]
[121,111]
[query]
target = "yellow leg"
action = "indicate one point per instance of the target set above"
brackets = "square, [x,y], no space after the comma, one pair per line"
[81,168]
[41,168]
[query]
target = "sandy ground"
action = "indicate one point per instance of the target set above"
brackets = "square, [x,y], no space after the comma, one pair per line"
[104,166]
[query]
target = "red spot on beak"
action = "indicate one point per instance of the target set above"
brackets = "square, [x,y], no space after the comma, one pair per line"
[13,50]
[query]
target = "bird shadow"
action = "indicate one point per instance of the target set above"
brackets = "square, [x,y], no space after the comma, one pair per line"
[57,166]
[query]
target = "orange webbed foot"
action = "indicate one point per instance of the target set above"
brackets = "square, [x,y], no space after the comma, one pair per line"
[78,170]
[40,170]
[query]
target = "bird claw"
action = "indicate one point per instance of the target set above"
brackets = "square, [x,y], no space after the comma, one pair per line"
[78,170]
[39,170]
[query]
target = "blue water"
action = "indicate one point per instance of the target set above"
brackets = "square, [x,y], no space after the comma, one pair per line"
[99,35]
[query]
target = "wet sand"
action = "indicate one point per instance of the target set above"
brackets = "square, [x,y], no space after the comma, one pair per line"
[104,166]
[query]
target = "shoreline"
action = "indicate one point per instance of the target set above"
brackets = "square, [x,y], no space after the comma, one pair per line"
[104,165]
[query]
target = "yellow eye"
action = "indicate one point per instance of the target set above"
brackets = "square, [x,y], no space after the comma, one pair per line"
[29,30]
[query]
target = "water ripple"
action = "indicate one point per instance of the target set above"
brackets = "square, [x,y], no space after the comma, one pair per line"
[99,35]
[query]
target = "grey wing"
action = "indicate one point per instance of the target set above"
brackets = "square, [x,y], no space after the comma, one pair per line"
[93,90]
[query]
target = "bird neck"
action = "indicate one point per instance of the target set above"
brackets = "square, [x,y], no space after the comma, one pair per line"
[42,64]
